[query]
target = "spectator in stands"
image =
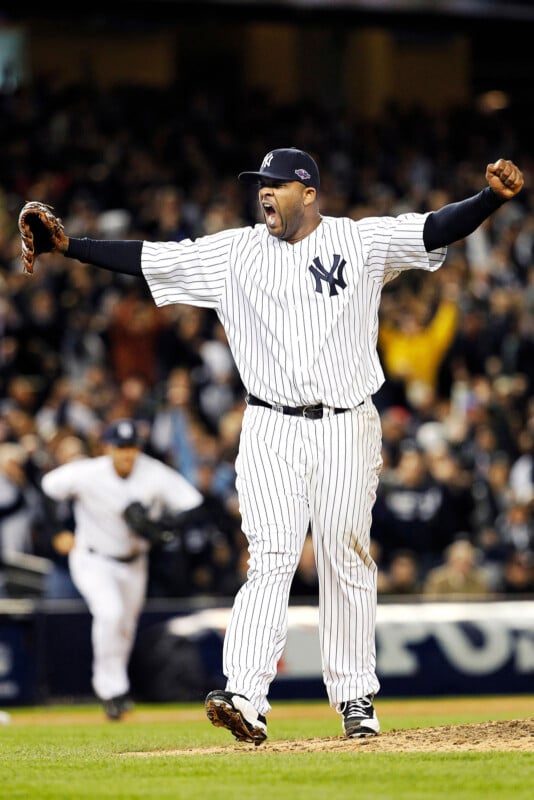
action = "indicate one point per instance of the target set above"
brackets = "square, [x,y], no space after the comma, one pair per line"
[58,527]
[447,469]
[414,337]
[396,428]
[16,505]
[166,220]
[470,348]
[222,384]
[459,575]
[19,507]
[522,468]
[182,338]
[412,511]
[492,496]
[177,429]
[518,574]
[134,333]
[134,399]
[223,482]
[515,527]
[402,577]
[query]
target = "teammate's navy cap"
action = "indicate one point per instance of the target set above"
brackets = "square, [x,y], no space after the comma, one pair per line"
[285,164]
[122,433]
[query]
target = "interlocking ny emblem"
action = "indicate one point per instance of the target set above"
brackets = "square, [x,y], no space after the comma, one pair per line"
[333,280]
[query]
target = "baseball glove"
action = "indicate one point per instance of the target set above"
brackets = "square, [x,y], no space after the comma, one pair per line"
[40,231]
[157,531]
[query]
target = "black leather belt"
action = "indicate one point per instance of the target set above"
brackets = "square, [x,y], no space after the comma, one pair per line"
[121,559]
[310,412]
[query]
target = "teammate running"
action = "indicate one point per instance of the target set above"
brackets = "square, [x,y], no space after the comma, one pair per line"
[109,560]
[298,296]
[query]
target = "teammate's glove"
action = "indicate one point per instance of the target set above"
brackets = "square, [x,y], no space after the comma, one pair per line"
[40,231]
[157,531]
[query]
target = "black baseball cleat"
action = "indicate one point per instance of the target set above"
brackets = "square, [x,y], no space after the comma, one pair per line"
[359,718]
[237,714]
[115,707]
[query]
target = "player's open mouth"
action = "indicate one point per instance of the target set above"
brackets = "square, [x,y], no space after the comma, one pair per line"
[270,214]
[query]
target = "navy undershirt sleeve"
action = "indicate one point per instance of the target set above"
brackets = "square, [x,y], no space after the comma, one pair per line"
[115,255]
[457,220]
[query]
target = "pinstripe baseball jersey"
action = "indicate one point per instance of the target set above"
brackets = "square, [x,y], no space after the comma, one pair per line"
[100,497]
[301,319]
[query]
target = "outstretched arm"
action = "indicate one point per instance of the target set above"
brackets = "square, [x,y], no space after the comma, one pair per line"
[457,220]
[41,231]
[116,255]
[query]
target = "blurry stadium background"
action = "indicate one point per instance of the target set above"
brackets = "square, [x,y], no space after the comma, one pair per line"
[133,119]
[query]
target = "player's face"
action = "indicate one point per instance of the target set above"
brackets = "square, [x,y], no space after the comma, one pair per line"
[285,209]
[123,459]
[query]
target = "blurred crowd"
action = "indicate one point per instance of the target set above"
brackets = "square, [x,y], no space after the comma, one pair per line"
[81,346]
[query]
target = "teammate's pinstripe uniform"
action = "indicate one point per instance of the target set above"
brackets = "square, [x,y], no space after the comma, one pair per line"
[108,562]
[298,297]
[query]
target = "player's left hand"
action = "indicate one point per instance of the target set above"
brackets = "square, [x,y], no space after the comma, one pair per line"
[504,178]
[63,542]
[156,531]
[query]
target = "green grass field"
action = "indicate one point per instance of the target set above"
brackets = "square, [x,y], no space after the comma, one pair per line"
[72,752]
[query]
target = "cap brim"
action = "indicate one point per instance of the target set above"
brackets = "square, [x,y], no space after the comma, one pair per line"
[250,177]
[254,177]
[121,443]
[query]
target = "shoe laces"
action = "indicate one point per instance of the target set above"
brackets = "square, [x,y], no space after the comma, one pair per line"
[358,708]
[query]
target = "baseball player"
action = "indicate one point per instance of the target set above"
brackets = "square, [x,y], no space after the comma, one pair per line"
[298,295]
[109,561]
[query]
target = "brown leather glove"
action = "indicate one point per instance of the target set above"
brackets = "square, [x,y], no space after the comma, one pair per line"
[41,232]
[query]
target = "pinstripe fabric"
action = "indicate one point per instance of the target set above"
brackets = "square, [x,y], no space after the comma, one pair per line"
[292,344]
[291,471]
[302,323]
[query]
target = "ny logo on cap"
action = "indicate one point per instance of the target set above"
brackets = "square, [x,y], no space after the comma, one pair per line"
[125,430]
[267,160]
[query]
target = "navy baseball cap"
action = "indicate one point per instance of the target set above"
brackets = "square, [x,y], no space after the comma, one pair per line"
[285,164]
[122,433]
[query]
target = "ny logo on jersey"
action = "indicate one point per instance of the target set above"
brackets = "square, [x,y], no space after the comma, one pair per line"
[334,278]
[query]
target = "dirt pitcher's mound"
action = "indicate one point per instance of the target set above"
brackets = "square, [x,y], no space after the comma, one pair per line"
[517,735]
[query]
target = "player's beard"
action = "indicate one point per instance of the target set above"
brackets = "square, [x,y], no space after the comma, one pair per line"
[285,225]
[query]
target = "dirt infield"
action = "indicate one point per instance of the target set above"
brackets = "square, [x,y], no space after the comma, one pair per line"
[497,735]
[515,733]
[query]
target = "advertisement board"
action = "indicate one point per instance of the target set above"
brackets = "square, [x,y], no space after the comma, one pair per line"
[422,649]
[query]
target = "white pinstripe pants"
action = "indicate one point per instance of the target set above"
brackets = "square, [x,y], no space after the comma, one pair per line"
[293,472]
[115,594]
